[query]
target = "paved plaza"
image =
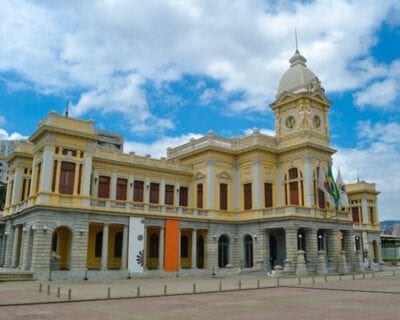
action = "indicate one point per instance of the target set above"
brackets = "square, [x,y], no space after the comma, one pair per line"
[369,296]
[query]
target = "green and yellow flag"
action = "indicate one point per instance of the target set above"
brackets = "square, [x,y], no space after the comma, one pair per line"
[333,190]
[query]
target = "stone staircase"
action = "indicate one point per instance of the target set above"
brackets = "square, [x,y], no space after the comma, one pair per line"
[14,275]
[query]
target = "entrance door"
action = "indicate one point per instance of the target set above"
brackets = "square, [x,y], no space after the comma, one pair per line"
[223,251]
[273,250]
[248,251]
[200,252]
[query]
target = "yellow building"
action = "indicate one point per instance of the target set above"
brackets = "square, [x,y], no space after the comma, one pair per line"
[77,202]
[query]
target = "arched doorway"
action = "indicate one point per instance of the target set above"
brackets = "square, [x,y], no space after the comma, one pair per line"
[223,251]
[152,258]
[200,252]
[248,251]
[273,250]
[375,251]
[61,247]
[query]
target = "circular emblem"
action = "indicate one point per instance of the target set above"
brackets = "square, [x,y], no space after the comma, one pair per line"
[317,121]
[140,237]
[142,221]
[290,122]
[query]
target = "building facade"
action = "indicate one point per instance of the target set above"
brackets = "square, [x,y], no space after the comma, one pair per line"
[76,201]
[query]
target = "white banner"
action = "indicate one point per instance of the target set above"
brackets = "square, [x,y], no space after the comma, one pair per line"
[136,244]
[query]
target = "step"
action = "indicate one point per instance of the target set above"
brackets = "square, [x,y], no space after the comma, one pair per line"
[16,276]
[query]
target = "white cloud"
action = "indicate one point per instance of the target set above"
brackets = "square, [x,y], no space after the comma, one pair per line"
[158,148]
[375,160]
[269,132]
[109,49]
[4,135]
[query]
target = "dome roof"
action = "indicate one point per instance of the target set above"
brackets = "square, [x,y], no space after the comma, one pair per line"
[298,78]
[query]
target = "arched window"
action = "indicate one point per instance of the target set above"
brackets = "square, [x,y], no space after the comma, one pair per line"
[223,251]
[118,245]
[248,251]
[153,253]
[99,244]
[294,194]
[184,247]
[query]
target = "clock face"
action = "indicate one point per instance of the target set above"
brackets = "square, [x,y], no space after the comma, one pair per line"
[290,122]
[317,121]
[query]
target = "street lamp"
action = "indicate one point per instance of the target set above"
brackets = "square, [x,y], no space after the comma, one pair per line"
[300,242]
[320,243]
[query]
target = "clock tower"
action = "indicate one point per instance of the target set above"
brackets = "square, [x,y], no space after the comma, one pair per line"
[301,107]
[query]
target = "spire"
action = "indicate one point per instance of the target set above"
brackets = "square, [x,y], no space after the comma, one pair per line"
[297,46]
[66,111]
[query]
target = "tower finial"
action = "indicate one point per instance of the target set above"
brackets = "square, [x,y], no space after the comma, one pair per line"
[295,36]
[66,111]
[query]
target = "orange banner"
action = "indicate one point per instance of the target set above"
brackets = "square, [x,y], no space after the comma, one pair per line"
[171,245]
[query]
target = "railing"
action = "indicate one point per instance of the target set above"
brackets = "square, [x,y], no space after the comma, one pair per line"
[234,144]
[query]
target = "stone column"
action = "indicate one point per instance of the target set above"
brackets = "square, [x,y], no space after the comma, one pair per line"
[104,248]
[267,250]
[8,245]
[312,247]
[124,257]
[279,185]
[17,187]
[291,248]
[349,245]
[308,182]
[194,249]
[210,183]
[161,250]
[257,183]
[321,265]
[236,186]
[333,248]
[14,259]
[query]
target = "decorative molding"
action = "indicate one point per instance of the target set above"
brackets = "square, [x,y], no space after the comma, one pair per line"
[199,176]
[224,175]
[211,162]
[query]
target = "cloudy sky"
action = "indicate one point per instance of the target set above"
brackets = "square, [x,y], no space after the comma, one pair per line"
[162,72]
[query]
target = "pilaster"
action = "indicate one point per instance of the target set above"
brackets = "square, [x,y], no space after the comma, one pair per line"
[257,175]
[210,163]
[124,257]
[236,186]
[312,247]
[308,182]
[194,249]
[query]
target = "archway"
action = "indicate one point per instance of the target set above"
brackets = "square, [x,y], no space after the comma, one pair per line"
[61,247]
[223,251]
[248,251]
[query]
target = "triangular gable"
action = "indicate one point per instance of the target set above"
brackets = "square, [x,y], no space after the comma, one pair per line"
[224,175]
[199,176]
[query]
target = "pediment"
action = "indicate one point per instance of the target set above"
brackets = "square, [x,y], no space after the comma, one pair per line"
[199,176]
[224,175]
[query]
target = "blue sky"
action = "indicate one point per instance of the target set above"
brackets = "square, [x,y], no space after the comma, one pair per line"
[162,72]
